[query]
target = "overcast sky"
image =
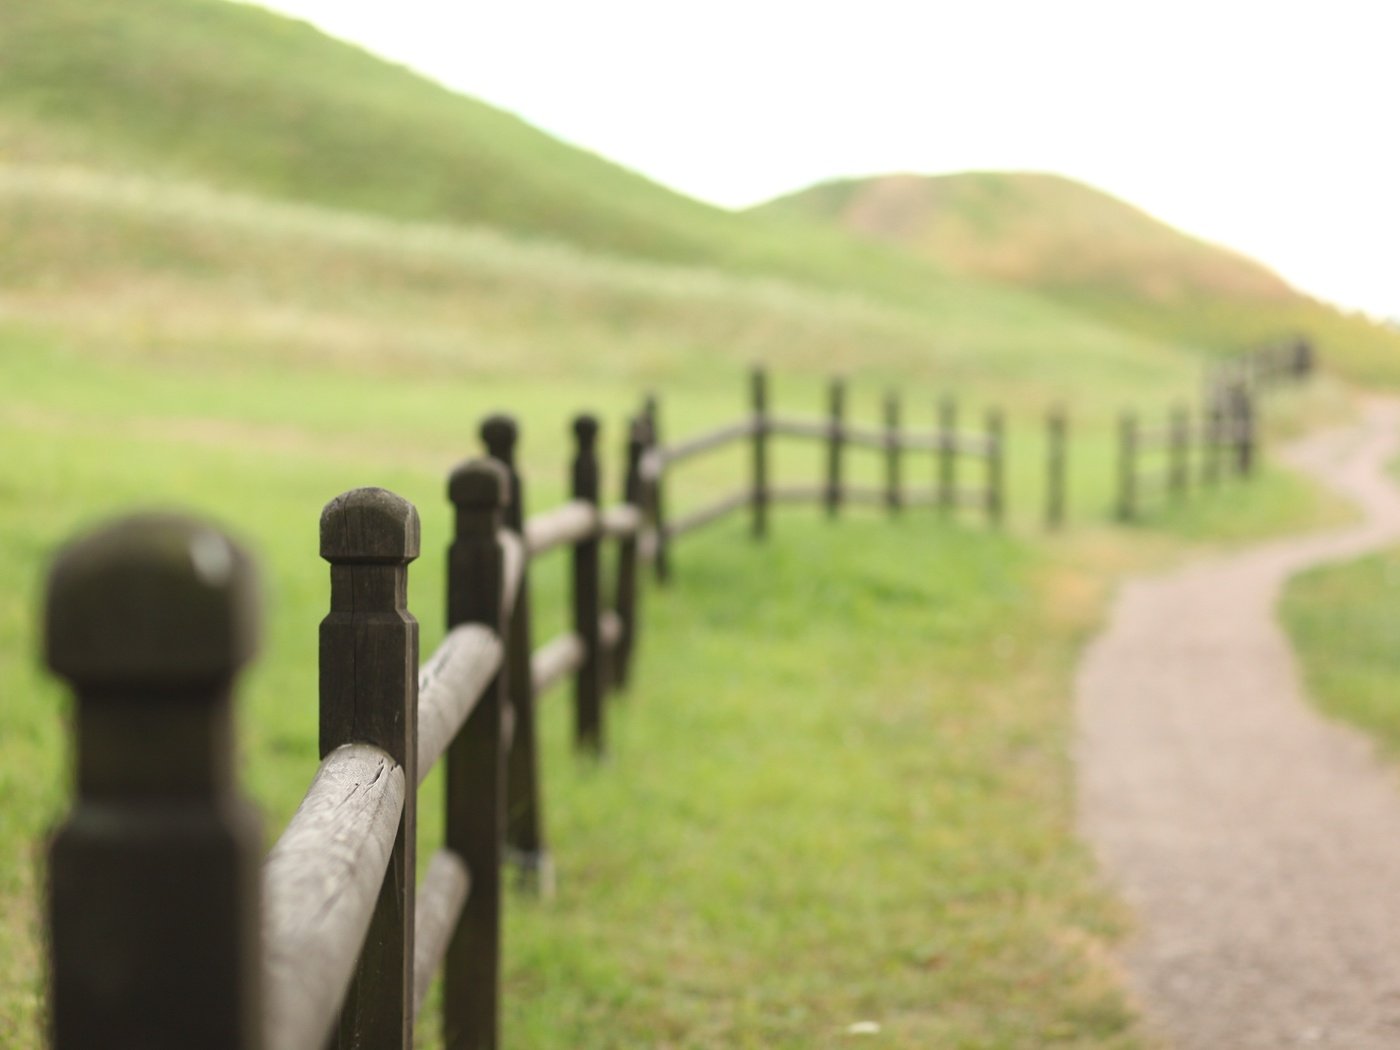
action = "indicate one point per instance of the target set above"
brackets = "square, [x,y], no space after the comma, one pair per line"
[1269,127]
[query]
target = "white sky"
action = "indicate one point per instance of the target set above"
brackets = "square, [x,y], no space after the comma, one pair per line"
[1271,127]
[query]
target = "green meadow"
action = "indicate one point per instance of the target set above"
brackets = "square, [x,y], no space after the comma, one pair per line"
[255,268]
[1343,619]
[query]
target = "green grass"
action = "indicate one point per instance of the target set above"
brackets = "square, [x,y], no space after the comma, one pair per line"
[846,749]
[1343,621]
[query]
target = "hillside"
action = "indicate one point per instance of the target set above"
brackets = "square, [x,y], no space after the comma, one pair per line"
[1045,231]
[1088,250]
[246,100]
[208,176]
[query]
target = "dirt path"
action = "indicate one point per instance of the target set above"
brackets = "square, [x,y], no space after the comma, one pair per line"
[1258,843]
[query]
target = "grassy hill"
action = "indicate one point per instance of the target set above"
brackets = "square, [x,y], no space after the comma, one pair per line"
[1090,251]
[241,99]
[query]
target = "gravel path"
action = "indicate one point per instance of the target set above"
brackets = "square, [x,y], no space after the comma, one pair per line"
[1258,843]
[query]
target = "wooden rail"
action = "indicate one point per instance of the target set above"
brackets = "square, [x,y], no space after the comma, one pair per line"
[1221,442]
[349,942]
[892,440]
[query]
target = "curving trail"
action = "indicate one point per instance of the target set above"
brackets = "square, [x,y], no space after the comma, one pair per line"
[1257,842]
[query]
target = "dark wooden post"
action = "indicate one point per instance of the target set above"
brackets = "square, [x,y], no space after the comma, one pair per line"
[1057,427]
[476,762]
[1178,475]
[588,682]
[759,390]
[835,442]
[656,489]
[893,496]
[1127,467]
[525,839]
[947,455]
[369,694]
[1212,439]
[996,465]
[1242,426]
[153,878]
[1302,359]
[627,598]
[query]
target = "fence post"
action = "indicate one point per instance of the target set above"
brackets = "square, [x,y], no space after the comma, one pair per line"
[153,878]
[1214,435]
[759,390]
[1057,426]
[1180,435]
[1243,426]
[996,472]
[476,761]
[1127,467]
[893,498]
[1302,359]
[369,694]
[588,682]
[661,556]
[947,454]
[835,441]
[627,592]
[525,839]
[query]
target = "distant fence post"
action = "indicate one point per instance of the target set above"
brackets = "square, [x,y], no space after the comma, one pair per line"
[627,597]
[947,454]
[587,599]
[656,487]
[1057,427]
[476,761]
[835,441]
[1212,439]
[996,452]
[1180,443]
[1242,425]
[1302,359]
[369,694]
[153,894]
[1127,467]
[759,390]
[524,812]
[893,497]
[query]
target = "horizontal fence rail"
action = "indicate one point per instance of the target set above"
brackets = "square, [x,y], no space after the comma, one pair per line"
[945,442]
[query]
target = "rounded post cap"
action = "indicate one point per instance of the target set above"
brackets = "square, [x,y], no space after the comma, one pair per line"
[586,431]
[149,601]
[479,484]
[370,525]
[500,432]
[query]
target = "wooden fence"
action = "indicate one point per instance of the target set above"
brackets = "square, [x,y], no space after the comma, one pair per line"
[1220,440]
[166,929]
[892,440]
[163,932]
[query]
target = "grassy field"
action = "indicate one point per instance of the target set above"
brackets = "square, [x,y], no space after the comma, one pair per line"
[1343,621]
[895,813]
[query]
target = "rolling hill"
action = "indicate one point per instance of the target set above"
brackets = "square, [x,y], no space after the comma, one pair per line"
[1090,251]
[249,101]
